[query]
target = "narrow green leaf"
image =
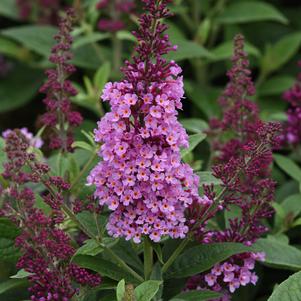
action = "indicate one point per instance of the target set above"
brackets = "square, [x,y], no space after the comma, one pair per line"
[102,76]
[279,254]
[83,145]
[92,38]
[104,267]
[90,247]
[276,85]
[38,38]
[225,50]
[194,125]
[201,258]
[207,178]
[188,50]
[288,166]
[21,274]
[8,8]
[11,284]
[290,289]
[196,296]
[147,290]
[292,204]
[120,290]
[278,54]
[250,11]
[28,82]
[194,140]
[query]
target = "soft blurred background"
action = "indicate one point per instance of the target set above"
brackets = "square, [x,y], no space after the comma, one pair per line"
[203,31]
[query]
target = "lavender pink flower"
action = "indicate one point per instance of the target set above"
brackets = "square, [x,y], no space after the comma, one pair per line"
[60,118]
[141,178]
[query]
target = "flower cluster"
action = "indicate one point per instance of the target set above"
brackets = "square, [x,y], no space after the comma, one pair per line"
[243,146]
[58,89]
[46,249]
[115,10]
[43,11]
[292,128]
[141,177]
[236,272]
[33,141]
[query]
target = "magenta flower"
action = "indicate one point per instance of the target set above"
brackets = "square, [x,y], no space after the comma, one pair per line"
[46,249]
[60,118]
[243,144]
[292,127]
[33,141]
[141,140]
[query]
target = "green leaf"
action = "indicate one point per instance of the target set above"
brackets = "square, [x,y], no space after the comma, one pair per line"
[21,274]
[90,247]
[88,57]
[8,233]
[11,284]
[279,254]
[102,76]
[11,48]
[201,258]
[196,296]
[207,178]
[188,50]
[288,166]
[8,8]
[104,267]
[281,52]
[36,38]
[83,145]
[125,250]
[194,125]
[250,11]
[194,140]
[125,35]
[18,87]
[292,204]
[276,85]
[147,290]
[204,98]
[92,38]
[225,50]
[120,290]
[290,289]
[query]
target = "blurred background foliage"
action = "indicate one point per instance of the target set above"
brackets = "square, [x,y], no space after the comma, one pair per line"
[203,31]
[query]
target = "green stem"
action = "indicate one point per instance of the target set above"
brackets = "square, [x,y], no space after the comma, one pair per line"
[82,172]
[148,258]
[175,254]
[123,264]
[91,235]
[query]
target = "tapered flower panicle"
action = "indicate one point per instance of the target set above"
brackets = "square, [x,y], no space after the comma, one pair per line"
[46,249]
[243,144]
[58,89]
[292,127]
[141,178]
